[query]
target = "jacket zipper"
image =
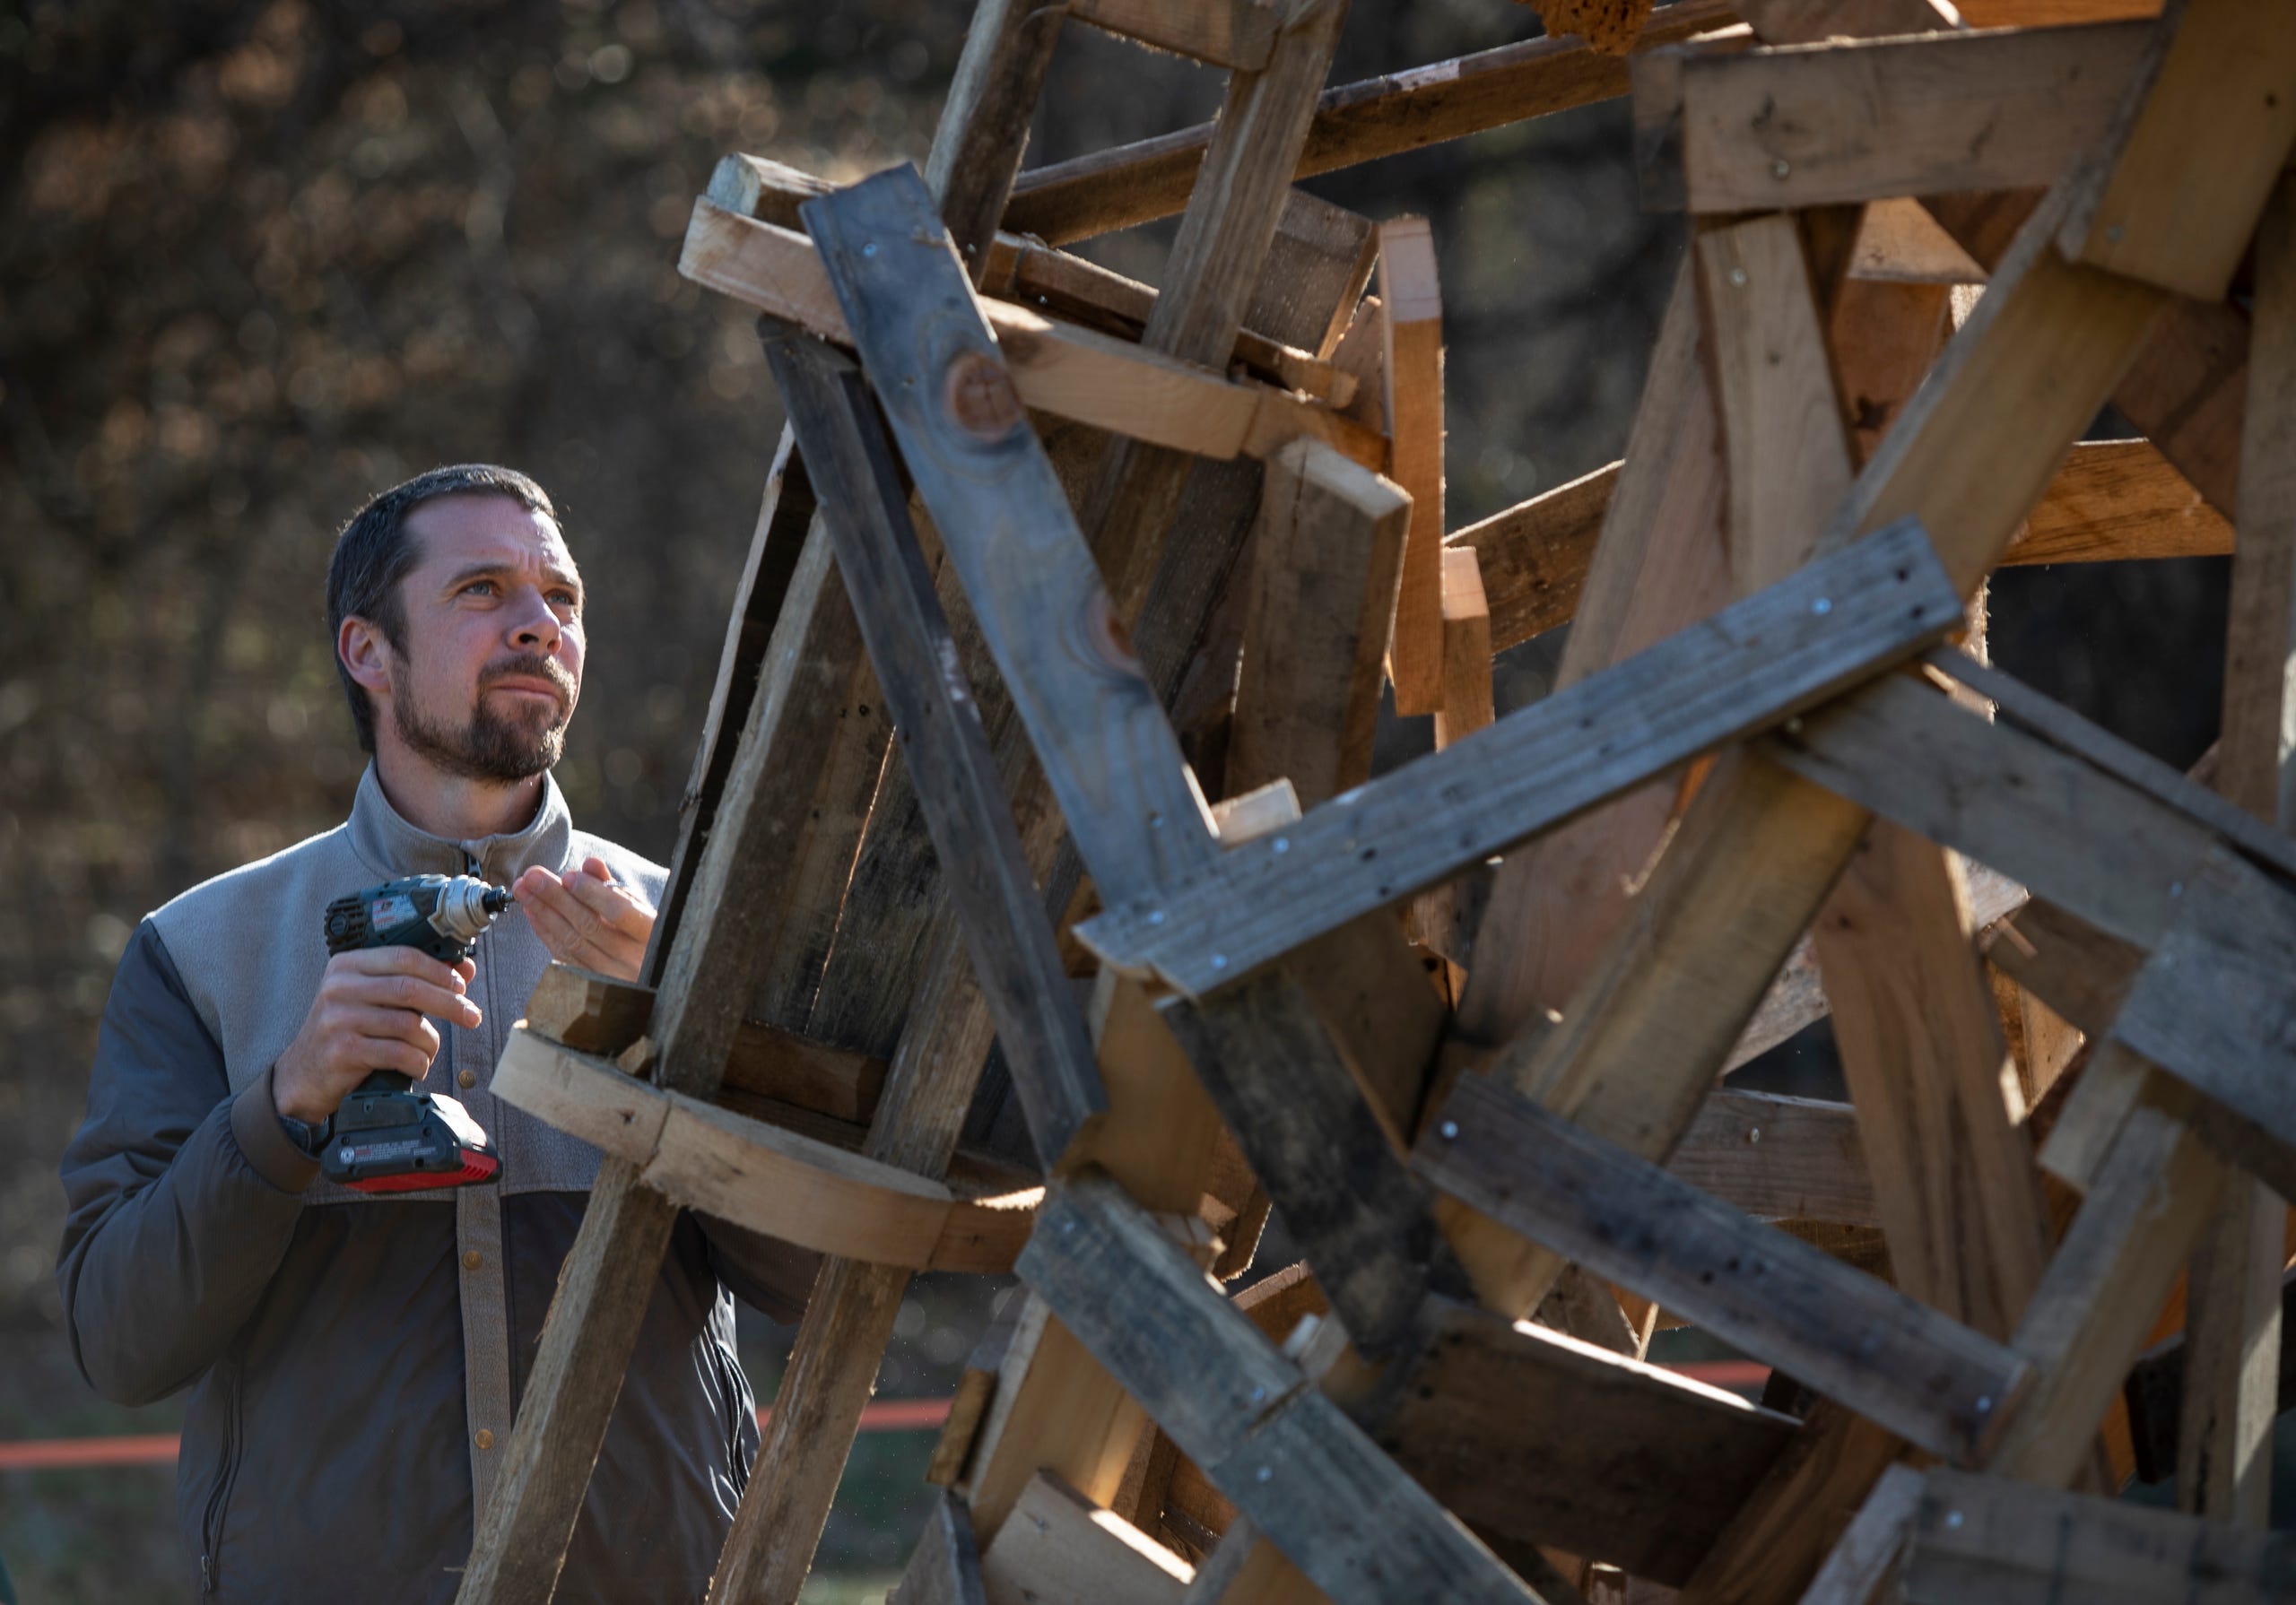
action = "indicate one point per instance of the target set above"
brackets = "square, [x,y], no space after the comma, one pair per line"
[212,1524]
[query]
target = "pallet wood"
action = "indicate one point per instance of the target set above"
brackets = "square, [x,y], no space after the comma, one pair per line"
[1412,368]
[1532,769]
[1352,123]
[1239,1411]
[1778,1157]
[1058,1545]
[1758,1289]
[1466,649]
[1226,33]
[944,1569]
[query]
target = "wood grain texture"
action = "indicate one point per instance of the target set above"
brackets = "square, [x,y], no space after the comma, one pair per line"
[1226,33]
[1798,127]
[1292,1461]
[1411,296]
[1777,1158]
[944,1568]
[984,123]
[1853,1339]
[1525,1433]
[1093,718]
[1058,1545]
[1353,123]
[1807,22]
[1787,1528]
[1466,705]
[979,846]
[1758,660]
[2153,212]
[1862,1565]
[1327,552]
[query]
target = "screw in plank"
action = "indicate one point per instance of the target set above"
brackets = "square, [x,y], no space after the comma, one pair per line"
[1780,167]
[1450,1129]
[1821,606]
[1737,275]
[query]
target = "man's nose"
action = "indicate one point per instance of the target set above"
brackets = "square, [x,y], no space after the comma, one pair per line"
[535,627]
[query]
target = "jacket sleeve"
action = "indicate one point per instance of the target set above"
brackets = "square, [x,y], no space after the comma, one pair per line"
[180,1198]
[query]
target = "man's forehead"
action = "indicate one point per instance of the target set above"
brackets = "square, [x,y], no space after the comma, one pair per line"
[467,527]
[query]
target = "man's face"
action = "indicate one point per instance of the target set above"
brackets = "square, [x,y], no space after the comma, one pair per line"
[493,664]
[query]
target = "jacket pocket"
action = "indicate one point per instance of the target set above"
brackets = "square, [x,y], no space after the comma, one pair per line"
[227,1471]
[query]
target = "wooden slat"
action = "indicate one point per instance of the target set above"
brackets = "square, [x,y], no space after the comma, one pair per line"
[1809,126]
[1326,558]
[1286,1455]
[944,1568]
[2155,213]
[1780,1538]
[973,835]
[1854,1339]
[1109,755]
[1807,22]
[1058,1545]
[1072,372]
[772,1180]
[1760,660]
[597,1015]
[1411,298]
[1466,705]
[1353,123]
[1778,1157]
[2075,969]
[1866,1557]
[1228,33]
[2111,502]
[1527,1434]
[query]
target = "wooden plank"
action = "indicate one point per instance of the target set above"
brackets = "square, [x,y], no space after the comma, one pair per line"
[1868,1554]
[1245,1571]
[1095,720]
[1411,295]
[1856,1340]
[1543,1439]
[2145,1208]
[1807,22]
[1811,125]
[2233,1322]
[600,1016]
[973,835]
[1072,372]
[1761,659]
[2112,500]
[1778,1157]
[1058,1545]
[944,1568]
[2154,1394]
[1467,702]
[772,1180]
[1327,552]
[1292,1461]
[1353,123]
[2076,970]
[1227,34]
[2021,1543]
[2149,210]
[984,123]
[1784,1534]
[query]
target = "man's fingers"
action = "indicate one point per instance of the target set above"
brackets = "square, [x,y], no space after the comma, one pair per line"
[393,1052]
[411,994]
[399,961]
[610,904]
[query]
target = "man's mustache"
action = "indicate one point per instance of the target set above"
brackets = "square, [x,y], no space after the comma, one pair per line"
[531,666]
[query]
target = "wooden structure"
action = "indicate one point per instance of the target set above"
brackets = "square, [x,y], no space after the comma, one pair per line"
[1096,554]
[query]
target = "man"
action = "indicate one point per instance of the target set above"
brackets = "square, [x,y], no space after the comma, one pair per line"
[355,1359]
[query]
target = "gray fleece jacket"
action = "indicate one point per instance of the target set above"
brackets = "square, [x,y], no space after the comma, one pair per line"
[354,1360]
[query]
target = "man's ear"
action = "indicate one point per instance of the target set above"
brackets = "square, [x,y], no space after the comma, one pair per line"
[365,652]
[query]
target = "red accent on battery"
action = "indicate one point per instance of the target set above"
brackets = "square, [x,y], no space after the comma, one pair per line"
[476,1168]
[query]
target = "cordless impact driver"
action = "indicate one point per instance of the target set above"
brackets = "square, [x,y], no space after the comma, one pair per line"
[387,1137]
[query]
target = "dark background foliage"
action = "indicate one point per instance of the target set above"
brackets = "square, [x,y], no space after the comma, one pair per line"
[260,261]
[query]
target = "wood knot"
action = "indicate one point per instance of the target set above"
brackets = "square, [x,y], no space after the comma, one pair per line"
[978,395]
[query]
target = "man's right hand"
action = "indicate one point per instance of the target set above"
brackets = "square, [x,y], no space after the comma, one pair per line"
[369,1016]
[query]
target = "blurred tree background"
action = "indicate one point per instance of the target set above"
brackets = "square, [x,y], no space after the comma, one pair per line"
[260,261]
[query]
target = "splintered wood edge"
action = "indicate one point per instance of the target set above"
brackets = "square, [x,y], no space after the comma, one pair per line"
[772,1180]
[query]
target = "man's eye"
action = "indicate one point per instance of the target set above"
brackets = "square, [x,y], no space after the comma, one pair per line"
[479,587]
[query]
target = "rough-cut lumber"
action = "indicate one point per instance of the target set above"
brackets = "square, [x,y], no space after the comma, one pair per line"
[1817,125]
[2155,1392]
[1108,752]
[1467,705]
[1781,1535]
[1761,660]
[1015,956]
[1288,1458]
[1867,1556]
[1326,558]
[1072,372]
[1058,1545]
[944,1568]
[1997,1542]
[1353,123]
[1854,1339]
[1807,22]
[2112,500]
[2152,212]
[2059,958]
[597,1015]
[1526,1434]
[758,1176]
[1778,1157]
[1227,34]
[1410,299]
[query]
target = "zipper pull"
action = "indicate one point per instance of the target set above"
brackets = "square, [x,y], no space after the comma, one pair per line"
[207,1573]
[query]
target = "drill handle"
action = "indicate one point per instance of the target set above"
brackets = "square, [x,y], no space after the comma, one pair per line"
[386,1080]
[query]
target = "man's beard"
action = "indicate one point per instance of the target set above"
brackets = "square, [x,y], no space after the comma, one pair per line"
[490,747]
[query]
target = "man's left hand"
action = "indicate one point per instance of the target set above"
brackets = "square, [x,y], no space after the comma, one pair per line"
[585,919]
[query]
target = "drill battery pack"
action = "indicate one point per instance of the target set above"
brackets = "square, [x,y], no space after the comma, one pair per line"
[390,1140]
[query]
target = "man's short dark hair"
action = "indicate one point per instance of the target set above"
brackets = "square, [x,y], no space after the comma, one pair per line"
[373,552]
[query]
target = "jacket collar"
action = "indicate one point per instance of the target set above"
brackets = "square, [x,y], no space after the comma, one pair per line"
[393,846]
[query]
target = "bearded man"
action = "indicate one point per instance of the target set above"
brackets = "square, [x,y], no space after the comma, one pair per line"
[355,1359]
